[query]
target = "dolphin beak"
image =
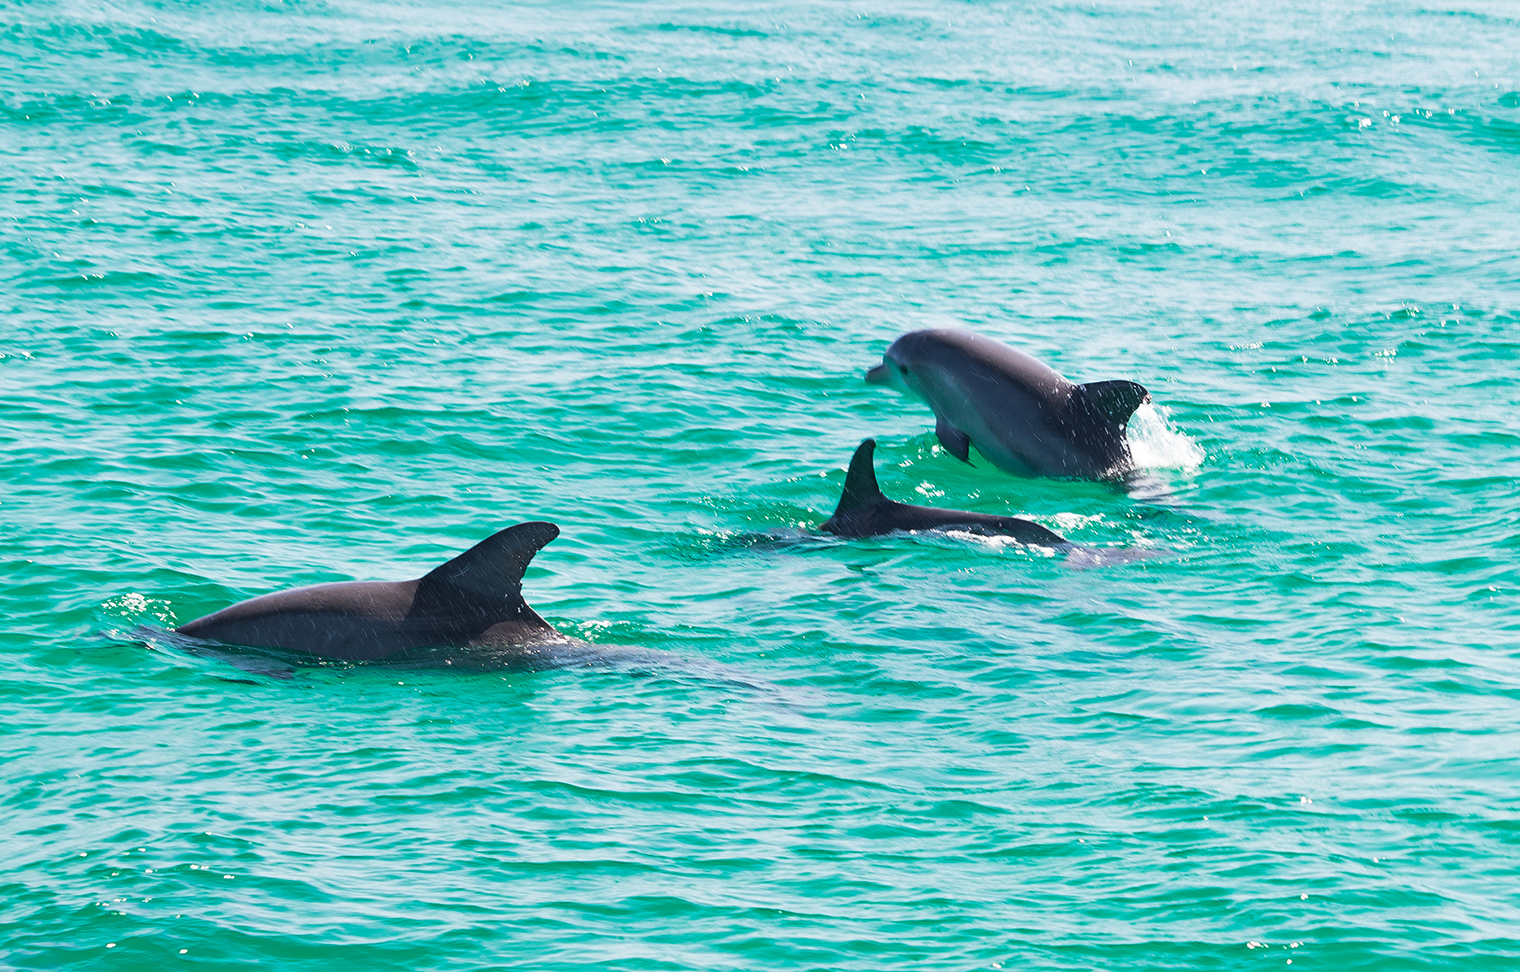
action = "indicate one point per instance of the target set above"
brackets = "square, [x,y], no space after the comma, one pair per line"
[877,375]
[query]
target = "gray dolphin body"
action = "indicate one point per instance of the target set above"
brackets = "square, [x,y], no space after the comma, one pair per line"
[473,601]
[864,512]
[1023,416]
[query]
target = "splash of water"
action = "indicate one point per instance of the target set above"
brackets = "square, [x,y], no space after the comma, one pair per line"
[1156,444]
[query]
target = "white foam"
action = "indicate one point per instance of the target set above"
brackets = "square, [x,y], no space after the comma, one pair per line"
[999,542]
[1155,444]
[1071,522]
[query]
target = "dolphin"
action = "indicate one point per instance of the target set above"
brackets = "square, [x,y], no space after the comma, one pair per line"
[1020,414]
[474,601]
[864,512]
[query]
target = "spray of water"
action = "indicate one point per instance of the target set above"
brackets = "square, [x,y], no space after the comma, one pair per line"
[1155,444]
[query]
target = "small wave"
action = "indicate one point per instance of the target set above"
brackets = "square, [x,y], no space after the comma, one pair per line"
[1156,444]
[101,279]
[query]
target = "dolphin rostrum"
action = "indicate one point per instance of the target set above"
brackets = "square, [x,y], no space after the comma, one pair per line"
[864,512]
[1023,416]
[473,601]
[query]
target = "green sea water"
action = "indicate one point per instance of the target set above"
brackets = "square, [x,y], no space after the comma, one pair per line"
[297,292]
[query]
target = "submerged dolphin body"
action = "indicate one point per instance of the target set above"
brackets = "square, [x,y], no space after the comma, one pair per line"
[474,601]
[1023,416]
[864,512]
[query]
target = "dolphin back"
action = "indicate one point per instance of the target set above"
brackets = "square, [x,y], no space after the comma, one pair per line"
[863,511]
[477,593]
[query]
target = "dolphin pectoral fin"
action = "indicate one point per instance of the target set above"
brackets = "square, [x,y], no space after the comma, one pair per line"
[953,439]
[1112,402]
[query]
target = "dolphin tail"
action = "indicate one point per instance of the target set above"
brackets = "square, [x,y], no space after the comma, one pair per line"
[860,487]
[1111,402]
[491,569]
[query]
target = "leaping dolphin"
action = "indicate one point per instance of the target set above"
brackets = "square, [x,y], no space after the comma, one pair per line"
[864,512]
[474,601]
[1023,416]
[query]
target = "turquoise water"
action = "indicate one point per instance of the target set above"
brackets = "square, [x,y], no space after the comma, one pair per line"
[300,292]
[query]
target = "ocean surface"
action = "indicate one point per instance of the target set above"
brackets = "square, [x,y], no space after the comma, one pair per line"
[297,292]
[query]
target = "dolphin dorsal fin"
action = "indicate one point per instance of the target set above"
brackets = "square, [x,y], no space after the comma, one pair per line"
[1109,401]
[860,487]
[493,568]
